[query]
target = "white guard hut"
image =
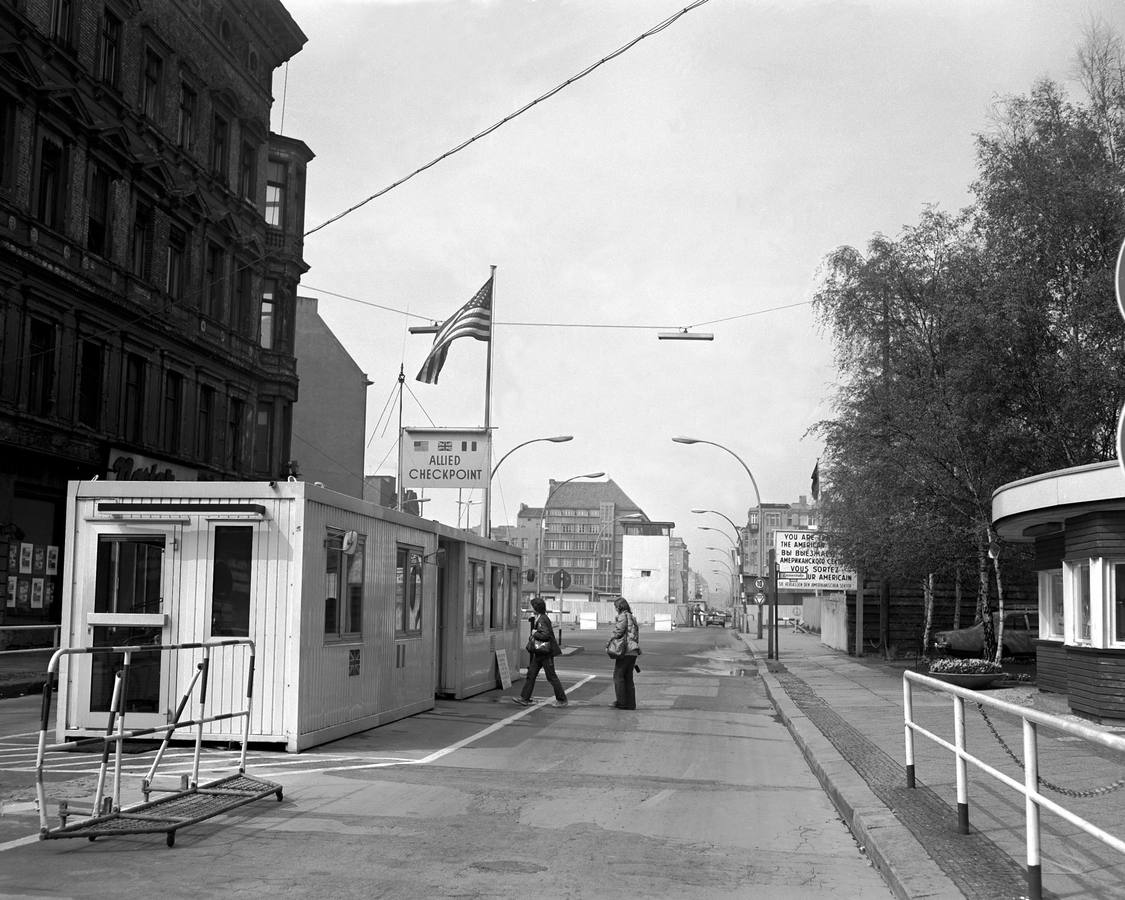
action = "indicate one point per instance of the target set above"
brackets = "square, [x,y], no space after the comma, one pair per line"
[353,611]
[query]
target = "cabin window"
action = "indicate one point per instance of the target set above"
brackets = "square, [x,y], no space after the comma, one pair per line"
[230,581]
[475,595]
[513,596]
[1051,604]
[408,592]
[343,586]
[497,589]
[1117,604]
[1080,599]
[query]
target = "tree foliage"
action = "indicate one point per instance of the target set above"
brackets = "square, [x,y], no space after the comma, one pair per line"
[978,348]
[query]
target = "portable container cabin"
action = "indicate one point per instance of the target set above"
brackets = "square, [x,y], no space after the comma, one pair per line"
[479,611]
[339,595]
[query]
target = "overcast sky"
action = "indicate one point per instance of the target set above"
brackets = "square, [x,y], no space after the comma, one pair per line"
[697,180]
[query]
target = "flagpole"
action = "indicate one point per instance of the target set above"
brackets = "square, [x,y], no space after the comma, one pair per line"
[486,513]
[398,474]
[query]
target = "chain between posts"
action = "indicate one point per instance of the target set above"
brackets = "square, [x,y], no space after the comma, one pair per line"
[1058,789]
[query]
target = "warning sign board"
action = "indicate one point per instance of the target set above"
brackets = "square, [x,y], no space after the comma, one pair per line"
[804,563]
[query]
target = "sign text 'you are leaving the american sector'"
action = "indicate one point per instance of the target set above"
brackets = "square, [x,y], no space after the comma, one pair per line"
[804,563]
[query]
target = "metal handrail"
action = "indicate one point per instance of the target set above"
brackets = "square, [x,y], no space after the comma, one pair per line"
[54,638]
[1034,800]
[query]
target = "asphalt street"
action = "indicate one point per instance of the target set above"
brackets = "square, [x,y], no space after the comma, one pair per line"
[700,792]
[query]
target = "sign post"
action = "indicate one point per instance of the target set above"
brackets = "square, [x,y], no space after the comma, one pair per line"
[808,565]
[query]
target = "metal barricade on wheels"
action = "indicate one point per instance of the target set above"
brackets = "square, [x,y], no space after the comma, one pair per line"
[184,805]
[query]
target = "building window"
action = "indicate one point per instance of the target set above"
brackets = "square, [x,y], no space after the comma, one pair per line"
[220,136]
[141,250]
[205,425]
[275,194]
[177,263]
[134,398]
[248,172]
[173,410]
[343,588]
[7,140]
[152,83]
[62,22]
[240,298]
[90,379]
[497,592]
[185,133]
[215,291]
[408,592]
[98,209]
[109,50]
[51,183]
[263,439]
[266,323]
[234,433]
[476,596]
[230,581]
[41,368]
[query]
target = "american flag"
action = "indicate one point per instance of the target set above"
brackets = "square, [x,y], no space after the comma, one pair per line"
[474,320]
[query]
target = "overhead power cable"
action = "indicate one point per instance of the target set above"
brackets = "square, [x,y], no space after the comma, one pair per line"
[656,29]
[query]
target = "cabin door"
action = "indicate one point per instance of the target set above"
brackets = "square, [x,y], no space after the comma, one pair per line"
[124,599]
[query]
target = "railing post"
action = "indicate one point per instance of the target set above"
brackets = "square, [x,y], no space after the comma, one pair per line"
[961,766]
[908,721]
[1031,800]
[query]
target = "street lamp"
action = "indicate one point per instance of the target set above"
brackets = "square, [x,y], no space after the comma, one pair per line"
[543,529]
[486,521]
[758,497]
[733,542]
[716,512]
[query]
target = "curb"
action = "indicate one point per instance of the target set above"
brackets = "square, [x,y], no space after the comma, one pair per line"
[894,851]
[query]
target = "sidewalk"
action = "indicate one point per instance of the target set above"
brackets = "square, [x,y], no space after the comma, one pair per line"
[845,714]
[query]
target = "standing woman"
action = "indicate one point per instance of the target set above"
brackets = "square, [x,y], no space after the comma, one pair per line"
[626,634]
[542,648]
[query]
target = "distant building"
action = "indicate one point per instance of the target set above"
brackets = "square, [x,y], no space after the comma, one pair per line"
[646,562]
[799,516]
[329,420]
[678,567]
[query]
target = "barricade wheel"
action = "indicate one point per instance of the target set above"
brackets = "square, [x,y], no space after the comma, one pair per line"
[278,793]
[171,838]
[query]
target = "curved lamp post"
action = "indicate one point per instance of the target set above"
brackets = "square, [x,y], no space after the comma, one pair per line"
[761,520]
[733,542]
[717,513]
[486,522]
[543,529]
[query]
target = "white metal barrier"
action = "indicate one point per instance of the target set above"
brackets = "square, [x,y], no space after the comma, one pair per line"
[187,804]
[1034,799]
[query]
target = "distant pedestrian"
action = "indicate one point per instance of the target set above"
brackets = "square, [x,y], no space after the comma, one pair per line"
[697,615]
[625,647]
[542,648]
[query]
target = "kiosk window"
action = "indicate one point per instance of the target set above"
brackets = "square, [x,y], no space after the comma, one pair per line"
[496,598]
[343,588]
[513,595]
[475,595]
[230,582]
[408,592]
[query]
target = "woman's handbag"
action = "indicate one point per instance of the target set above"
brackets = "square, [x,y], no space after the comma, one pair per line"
[615,647]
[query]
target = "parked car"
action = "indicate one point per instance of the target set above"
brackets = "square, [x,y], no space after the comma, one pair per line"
[716,617]
[1021,628]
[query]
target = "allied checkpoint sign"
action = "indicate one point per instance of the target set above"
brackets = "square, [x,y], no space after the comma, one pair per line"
[805,564]
[445,458]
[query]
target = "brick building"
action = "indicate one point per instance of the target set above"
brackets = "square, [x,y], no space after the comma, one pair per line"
[150,249]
